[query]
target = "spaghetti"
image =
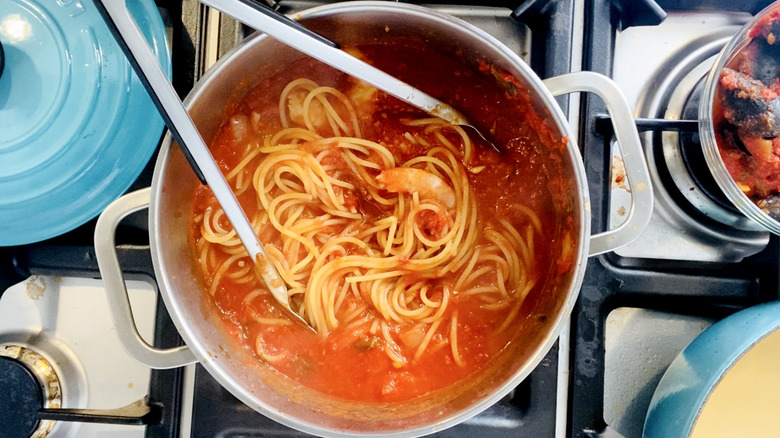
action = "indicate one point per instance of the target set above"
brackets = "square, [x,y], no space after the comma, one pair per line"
[418,254]
[362,238]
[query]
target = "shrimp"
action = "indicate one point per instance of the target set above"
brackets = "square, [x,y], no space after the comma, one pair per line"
[411,180]
[317,115]
[361,94]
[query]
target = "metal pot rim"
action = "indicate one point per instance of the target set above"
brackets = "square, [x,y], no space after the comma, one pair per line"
[215,368]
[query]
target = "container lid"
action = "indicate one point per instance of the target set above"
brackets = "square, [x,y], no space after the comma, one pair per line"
[76,125]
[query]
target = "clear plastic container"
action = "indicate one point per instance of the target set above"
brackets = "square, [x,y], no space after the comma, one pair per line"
[712,153]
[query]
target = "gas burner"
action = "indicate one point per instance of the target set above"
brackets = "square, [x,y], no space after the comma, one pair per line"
[47,316]
[692,155]
[46,375]
[29,383]
[682,154]
[663,69]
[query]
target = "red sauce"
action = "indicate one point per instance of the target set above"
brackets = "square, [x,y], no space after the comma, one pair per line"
[745,115]
[347,363]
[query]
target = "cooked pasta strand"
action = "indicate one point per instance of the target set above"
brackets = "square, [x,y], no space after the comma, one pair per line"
[374,273]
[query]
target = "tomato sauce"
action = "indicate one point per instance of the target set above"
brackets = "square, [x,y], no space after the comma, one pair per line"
[347,363]
[745,116]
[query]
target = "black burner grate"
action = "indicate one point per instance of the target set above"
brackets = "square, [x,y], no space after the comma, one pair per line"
[529,410]
[611,281]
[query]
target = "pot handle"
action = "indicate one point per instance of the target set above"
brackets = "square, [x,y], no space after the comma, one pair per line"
[633,156]
[116,290]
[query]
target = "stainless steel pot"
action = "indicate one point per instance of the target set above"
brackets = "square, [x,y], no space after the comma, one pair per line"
[256,384]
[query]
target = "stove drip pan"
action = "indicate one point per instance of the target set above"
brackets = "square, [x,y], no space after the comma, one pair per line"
[60,330]
[661,70]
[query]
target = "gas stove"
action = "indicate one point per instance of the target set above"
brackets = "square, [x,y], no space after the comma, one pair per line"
[697,262]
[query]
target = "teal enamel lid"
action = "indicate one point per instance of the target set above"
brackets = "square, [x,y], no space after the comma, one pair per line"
[76,125]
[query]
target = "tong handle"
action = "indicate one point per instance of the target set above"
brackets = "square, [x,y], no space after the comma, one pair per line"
[292,34]
[278,17]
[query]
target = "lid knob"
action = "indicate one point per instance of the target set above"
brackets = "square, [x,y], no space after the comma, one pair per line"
[2,59]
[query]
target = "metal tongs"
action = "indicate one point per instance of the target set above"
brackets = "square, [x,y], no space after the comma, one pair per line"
[144,62]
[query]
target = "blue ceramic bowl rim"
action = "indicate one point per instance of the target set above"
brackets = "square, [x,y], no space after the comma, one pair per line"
[692,376]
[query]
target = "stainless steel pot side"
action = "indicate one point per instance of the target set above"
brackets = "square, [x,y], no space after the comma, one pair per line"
[255,383]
